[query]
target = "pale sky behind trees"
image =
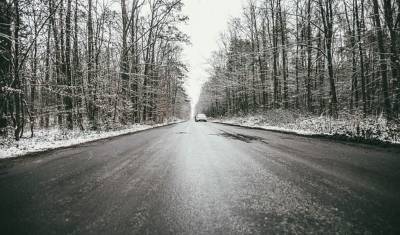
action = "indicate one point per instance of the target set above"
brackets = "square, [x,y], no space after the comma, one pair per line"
[207,20]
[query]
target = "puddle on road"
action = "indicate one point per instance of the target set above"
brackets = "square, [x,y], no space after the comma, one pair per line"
[181,133]
[241,137]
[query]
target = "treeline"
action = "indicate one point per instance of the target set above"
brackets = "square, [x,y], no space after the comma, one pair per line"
[321,57]
[90,64]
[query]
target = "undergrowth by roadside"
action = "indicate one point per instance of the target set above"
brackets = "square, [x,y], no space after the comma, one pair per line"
[52,138]
[371,129]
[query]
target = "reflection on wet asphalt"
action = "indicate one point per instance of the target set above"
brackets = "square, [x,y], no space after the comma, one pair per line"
[204,178]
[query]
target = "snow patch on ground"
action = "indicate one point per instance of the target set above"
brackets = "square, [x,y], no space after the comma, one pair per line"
[351,126]
[46,139]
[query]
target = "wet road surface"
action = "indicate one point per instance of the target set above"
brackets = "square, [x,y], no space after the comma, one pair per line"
[203,178]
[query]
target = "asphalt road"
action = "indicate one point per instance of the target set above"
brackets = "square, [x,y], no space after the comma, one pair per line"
[203,178]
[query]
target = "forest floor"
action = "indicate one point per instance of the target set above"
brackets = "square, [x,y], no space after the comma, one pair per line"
[47,139]
[372,129]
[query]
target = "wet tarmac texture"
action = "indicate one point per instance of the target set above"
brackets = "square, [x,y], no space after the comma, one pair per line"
[203,178]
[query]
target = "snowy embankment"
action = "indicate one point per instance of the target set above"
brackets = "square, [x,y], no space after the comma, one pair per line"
[351,127]
[48,139]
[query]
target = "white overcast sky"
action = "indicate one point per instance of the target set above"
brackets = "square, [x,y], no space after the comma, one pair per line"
[207,19]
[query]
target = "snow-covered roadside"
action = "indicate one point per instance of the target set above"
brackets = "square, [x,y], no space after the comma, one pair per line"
[56,138]
[354,127]
[249,122]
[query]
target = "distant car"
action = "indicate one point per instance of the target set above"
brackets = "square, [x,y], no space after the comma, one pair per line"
[200,117]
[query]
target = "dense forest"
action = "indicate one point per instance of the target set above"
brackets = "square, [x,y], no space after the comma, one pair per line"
[90,64]
[319,57]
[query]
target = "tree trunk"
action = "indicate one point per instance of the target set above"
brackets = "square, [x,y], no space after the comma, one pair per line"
[90,75]
[309,58]
[16,85]
[382,60]
[275,55]
[5,63]
[361,55]
[68,75]
[284,58]
[124,67]
[394,52]
[327,18]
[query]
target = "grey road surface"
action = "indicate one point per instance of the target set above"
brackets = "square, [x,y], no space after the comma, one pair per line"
[203,178]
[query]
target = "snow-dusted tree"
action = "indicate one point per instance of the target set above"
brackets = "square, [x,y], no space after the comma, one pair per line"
[90,64]
[323,57]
